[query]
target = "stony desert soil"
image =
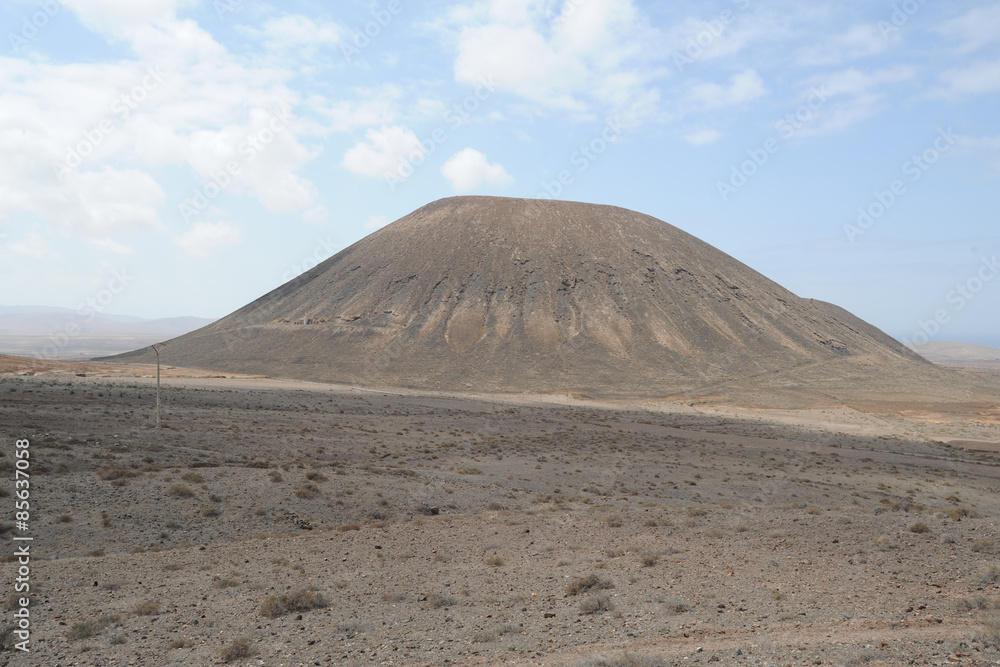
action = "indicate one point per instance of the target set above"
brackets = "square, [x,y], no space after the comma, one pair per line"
[280,523]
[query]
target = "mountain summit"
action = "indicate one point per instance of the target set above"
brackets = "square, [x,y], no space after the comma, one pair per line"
[516,295]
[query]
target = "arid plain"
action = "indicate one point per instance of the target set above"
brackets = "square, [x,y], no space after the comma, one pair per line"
[273,522]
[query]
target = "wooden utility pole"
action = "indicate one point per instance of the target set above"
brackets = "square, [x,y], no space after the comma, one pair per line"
[157,348]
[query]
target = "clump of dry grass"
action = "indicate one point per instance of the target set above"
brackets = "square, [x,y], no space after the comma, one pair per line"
[958,513]
[438,600]
[983,545]
[591,582]
[976,603]
[301,600]
[238,649]
[147,608]
[111,474]
[91,626]
[180,491]
[596,604]
[307,491]
[987,574]
[989,634]
[676,606]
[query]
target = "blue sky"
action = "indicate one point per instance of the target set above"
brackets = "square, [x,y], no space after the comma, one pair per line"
[175,157]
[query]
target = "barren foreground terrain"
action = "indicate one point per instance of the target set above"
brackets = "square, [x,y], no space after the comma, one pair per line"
[278,523]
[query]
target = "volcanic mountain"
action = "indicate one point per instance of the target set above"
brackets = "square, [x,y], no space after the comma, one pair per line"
[491,294]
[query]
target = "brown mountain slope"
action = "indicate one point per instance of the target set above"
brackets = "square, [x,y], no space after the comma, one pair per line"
[512,295]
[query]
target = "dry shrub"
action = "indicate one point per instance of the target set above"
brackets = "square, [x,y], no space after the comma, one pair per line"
[983,545]
[989,634]
[147,608]
[976,603]
[301,600]
[676,606]
[238,649]
[192,477]
[307,491]
[591,582]
[987,574]
[920,527]
[316,476]
[596,604]
[438,600]
[110,474]
[91,626]
[180,491]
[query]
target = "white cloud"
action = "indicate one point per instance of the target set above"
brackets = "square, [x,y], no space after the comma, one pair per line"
[702,136]
[851,96]
[856,82]
[859,41]
[121,17]
[980,78]
[376,222]
[383,151]
[974,29]
[468,169]
[33,245]
[991,145]
[110,246]
[593,49]
[296,31]
[743,87]
[184,101]
[373,106]
[205,238]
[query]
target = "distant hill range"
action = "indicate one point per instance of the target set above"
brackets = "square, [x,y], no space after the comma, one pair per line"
[491,294]
[63,333]
[964,355]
